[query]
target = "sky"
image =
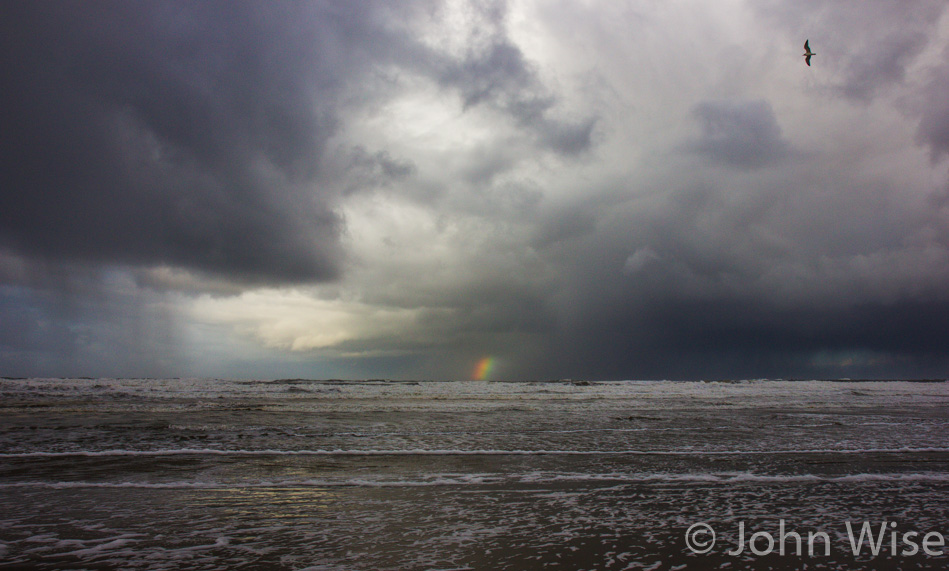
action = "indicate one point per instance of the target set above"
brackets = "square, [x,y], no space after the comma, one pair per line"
[506,190]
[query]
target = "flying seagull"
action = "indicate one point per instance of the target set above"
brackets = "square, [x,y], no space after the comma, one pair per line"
[808,53]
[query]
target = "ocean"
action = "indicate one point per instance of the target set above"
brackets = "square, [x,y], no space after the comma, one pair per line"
[395,475]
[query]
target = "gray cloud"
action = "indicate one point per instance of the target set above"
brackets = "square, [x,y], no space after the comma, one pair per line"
[565,224]
[367,171]
[741,134]
[881,65]
[869,45]
[495,72]
[934,123]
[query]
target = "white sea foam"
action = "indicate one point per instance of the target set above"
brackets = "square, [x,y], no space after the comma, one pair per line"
[499,479]
[464,452]
[102,547]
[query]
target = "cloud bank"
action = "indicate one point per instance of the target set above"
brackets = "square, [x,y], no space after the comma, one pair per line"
[373,189]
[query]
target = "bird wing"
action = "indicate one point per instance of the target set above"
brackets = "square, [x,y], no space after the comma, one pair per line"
[807,48]
[807,60]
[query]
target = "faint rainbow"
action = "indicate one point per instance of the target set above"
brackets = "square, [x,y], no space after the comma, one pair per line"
[483,368]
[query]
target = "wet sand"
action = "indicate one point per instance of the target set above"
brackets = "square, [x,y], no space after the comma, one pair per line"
[566,525]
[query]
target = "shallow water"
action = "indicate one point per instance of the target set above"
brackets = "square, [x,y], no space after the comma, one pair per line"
[209,474]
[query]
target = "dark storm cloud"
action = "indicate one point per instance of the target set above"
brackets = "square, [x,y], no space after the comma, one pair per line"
[680,338]
[149,147]
[179,133]
[741,134]
[190,134]
[701,287]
